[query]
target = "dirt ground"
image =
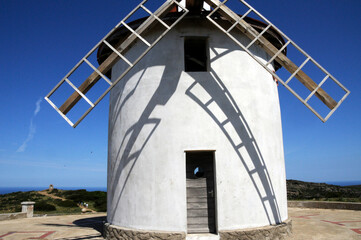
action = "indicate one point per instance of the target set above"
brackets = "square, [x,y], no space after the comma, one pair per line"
[317,224]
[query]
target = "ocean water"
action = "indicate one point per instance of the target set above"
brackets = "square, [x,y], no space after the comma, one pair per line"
[5,190]
[344,183]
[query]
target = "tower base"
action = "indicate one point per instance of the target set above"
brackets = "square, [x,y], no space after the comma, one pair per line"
[279,232]
[112,232]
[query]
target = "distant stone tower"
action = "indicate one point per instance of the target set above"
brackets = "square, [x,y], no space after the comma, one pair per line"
[51,187]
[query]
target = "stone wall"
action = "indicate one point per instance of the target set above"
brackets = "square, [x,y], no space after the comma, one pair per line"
[115,233]
[9,216]
[276,232]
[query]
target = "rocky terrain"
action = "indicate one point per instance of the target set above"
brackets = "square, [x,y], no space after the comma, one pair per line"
[298,190]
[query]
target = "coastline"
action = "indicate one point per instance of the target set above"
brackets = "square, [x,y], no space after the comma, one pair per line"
[6,190]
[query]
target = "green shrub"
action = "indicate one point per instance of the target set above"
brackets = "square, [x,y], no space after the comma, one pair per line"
[101,205]
[44,206]
[55,190]
[18,208]
[84,196]
[66,203]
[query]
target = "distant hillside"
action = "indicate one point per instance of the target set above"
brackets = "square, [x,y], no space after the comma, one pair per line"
[67,201]
[298,190]
[54,202]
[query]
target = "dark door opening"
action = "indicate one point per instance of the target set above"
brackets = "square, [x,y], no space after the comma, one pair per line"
[200,192]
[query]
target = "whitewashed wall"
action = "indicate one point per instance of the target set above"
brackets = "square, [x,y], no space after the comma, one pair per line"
[158,111]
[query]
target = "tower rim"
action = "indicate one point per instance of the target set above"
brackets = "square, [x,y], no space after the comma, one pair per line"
[122,32]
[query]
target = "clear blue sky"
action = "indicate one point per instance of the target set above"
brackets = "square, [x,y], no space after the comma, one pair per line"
[41,41]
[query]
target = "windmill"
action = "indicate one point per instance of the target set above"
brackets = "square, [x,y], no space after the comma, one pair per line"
[195,138]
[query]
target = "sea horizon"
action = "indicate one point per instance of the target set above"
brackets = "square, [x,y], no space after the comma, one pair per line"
[6,190]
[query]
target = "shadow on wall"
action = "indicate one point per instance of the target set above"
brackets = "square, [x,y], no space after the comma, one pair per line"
[161,96]
[220,95]
[223,98]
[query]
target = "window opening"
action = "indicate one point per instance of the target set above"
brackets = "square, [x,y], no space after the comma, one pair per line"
[196,54]
[198,172]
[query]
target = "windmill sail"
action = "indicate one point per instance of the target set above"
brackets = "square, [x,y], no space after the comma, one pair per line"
[238,23]
[118,52]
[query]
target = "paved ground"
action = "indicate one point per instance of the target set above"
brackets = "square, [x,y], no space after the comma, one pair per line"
[320,224]
[317,224]
[72,227]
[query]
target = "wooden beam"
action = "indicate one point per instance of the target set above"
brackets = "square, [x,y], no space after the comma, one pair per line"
[282,59]
[194,6]
[124,46]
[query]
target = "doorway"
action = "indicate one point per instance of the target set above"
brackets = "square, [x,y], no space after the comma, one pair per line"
[201,214]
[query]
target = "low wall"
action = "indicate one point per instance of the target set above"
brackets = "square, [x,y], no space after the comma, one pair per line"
[9,216]
[27,211]
[325,205]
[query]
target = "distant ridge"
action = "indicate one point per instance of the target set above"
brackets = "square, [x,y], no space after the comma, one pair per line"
[296,190]
[5,190]
[299,190]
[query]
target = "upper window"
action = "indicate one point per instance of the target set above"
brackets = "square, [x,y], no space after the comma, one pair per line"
[196,54]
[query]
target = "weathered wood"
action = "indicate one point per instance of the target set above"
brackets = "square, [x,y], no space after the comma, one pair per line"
[282,59]
[197,192]
[199,229]
[200,220]
[200,203]
[112,59]
[197,199]
[200,182]
[200,213]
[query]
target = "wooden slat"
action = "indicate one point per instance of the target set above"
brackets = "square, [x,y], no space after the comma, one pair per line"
[198,229]
[197,199]
[200,182]
[200,205]
[200,226]
[197,192]
[282,59]
[200,220]
[200,192]
[200,213]
[111,60]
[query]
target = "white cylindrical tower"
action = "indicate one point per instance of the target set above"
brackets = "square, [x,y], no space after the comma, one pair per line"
[195,139]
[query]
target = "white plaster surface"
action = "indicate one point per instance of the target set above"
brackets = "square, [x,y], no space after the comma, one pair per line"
[158,111]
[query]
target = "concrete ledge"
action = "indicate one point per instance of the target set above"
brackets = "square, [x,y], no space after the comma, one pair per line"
[112,232]
[280,232]
[325,205]
[9,216]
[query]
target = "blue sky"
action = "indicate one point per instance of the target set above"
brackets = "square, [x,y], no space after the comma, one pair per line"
[42,40]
